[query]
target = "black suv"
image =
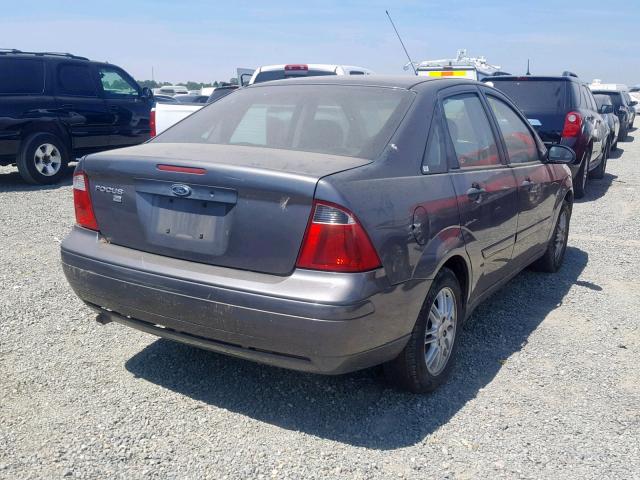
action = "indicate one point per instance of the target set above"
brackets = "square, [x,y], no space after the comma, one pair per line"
[623,106]
[562,110]
[56,107]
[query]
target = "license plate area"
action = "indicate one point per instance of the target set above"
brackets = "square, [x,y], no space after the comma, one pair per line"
[194,225]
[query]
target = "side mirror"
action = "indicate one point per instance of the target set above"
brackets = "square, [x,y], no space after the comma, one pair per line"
[147,93]
[560,154]
[245,78]
[633,103]
[622,109]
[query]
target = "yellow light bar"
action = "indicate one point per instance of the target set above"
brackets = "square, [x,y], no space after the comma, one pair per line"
[448,73]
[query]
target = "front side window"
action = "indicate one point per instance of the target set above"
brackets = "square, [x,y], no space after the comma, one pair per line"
[470,131]
[75,80]
[116,85]
[21,76]
[521,145]
[340,120]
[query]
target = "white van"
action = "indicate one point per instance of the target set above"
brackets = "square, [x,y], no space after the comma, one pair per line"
[463,66]
[279,72]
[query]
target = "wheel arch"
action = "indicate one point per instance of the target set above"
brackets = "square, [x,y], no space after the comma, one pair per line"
[53,127]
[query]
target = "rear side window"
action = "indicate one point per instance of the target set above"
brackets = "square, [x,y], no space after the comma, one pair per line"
[588,99]
[521,145]
[470,131]
[75,80]
[340,120]
[435,159]
[21,76]
[536,96]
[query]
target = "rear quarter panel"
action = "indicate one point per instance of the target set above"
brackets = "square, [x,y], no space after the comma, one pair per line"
[391,197]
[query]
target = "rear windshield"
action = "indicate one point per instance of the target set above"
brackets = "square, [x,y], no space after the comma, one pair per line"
[536,96]
[615,97]
[602,99]
[21,76]
[340,120]
[282,74]
[218,93]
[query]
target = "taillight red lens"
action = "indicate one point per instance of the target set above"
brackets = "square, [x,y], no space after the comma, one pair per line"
[82,202]
[152,122]
[572,125]
[335,241]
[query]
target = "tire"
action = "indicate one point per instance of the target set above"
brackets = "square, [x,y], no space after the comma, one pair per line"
[553,256]
[43,159]
[580,182]
[426,360]
[598,172]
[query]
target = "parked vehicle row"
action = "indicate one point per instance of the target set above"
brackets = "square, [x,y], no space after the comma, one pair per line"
[323,225]
[563,110]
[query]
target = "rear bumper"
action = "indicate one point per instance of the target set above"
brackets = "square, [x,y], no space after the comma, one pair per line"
[312,321]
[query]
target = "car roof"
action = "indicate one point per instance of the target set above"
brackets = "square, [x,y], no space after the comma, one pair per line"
[519,78]
[406,82]
[312,66]
[20,54]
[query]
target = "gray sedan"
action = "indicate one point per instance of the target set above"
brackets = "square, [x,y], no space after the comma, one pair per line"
[324,224]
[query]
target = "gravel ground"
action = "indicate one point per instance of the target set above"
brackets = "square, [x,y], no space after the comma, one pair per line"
[547,383]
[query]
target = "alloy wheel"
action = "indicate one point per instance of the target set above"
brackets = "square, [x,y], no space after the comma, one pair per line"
[441,331]
[47,159]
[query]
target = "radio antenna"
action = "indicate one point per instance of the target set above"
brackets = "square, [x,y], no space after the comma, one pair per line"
[402,43]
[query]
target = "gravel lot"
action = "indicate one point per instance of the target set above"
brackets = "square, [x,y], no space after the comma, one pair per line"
[547,384]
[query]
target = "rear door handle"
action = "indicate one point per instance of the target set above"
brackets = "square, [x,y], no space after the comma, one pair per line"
[66,106]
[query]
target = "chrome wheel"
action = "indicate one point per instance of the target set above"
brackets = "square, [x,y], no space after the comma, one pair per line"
[47,159]
[560,239]
[441,331]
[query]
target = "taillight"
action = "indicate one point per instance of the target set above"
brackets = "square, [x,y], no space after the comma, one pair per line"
[572,125]
[335,241]
[152,122]
[82,202]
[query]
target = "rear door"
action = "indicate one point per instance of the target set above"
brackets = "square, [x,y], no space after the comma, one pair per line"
[80,108]
[536,190]
[485,186]
[129,111]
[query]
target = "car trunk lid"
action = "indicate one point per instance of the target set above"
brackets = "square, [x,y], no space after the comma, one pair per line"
[233,206]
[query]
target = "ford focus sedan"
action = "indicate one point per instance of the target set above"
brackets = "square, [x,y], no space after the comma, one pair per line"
[322,224]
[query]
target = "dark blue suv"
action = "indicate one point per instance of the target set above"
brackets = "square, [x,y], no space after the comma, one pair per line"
[563,111]
[56,107]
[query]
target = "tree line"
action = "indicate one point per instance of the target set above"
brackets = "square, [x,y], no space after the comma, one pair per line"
[189,85]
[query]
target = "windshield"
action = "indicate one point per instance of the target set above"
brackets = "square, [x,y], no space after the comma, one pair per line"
[340,120]
[536,96]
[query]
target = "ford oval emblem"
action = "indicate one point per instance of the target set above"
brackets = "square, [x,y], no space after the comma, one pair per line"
[181,190]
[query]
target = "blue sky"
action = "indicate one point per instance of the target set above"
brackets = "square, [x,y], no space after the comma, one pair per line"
[206,40]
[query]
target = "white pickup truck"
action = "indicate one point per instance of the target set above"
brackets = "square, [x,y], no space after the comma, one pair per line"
[164,115]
